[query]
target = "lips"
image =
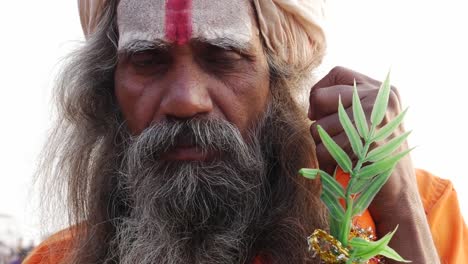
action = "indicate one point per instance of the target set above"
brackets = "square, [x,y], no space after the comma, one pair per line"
[185,149]
[188,153]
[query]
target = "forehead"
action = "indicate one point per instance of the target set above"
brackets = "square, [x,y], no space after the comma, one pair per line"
[179,21]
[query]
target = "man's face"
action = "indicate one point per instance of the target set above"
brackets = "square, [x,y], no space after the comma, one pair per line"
[183,59]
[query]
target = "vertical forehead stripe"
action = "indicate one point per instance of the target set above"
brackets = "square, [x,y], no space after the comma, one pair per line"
[178,21]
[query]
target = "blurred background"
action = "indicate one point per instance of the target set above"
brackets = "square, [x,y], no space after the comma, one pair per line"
[423,42]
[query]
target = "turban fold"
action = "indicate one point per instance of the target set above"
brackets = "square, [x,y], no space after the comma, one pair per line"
[90,14]
[291,29]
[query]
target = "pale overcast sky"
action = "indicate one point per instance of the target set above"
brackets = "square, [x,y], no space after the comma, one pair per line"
[424,42]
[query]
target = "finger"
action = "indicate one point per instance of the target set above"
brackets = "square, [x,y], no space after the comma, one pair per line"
[343,76]
[324,102]
[331,124]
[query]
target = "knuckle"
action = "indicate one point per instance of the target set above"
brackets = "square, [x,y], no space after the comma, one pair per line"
[394,92]
[394,100]
[337,70]
[394,89]
[315,96]
[389,116]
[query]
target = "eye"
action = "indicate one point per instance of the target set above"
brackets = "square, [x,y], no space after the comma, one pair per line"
[148,58]
[219,60]
[224,55]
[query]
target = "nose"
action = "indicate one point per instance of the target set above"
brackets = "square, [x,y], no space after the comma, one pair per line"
[187,93]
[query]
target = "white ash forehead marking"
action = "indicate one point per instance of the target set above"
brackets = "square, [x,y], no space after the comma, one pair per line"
[222,19]
[140,20]
[211,19]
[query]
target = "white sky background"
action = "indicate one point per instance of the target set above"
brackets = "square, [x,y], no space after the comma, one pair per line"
[424,43]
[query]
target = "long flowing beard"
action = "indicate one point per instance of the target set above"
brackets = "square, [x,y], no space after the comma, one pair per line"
[186,211]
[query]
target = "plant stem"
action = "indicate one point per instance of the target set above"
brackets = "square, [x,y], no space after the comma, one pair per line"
[344,234]
[367,143]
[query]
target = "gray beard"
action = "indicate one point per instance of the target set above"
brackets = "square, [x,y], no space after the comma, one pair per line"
[192,212]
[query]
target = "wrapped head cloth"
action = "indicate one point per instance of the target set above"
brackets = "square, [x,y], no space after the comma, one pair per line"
[291,29]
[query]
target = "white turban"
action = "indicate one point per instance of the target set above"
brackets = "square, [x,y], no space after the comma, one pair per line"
[90,14]
[292,29]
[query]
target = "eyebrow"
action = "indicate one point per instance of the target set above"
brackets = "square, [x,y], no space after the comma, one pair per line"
[227,43]
[138,45]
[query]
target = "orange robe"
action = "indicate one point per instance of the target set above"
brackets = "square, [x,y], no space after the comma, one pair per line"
[449,231]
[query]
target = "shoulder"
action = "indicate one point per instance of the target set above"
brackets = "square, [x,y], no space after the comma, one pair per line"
[52,250]
[432,188]
[448,228]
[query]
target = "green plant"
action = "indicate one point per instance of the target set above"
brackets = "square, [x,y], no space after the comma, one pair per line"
[372,170]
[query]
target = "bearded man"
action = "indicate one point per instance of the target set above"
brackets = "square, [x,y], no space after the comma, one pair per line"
[180,135]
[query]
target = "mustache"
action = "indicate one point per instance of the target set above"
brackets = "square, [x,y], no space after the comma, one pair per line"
[205,134]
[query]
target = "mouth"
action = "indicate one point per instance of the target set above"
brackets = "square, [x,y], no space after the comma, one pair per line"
[188,153]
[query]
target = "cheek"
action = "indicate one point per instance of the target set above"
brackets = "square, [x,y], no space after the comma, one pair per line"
[245,99]
[135,99]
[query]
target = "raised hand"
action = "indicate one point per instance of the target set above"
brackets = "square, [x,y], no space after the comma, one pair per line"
[398,202]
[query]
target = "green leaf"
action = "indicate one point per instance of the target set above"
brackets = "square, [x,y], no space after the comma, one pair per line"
[335,151]
[359,116]
[331,202]
[388,129]
[328,182]
[309,173]
[365,250]
[335,226]
[343,236]
[392,254]
[386,149]
[365,198]
[359,185]
[353,136]
[381,165]
[381,102]
[360,245]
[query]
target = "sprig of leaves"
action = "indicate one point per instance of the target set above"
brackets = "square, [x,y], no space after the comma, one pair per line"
[366,181]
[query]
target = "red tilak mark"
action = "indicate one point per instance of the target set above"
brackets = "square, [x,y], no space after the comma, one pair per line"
[178,21]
